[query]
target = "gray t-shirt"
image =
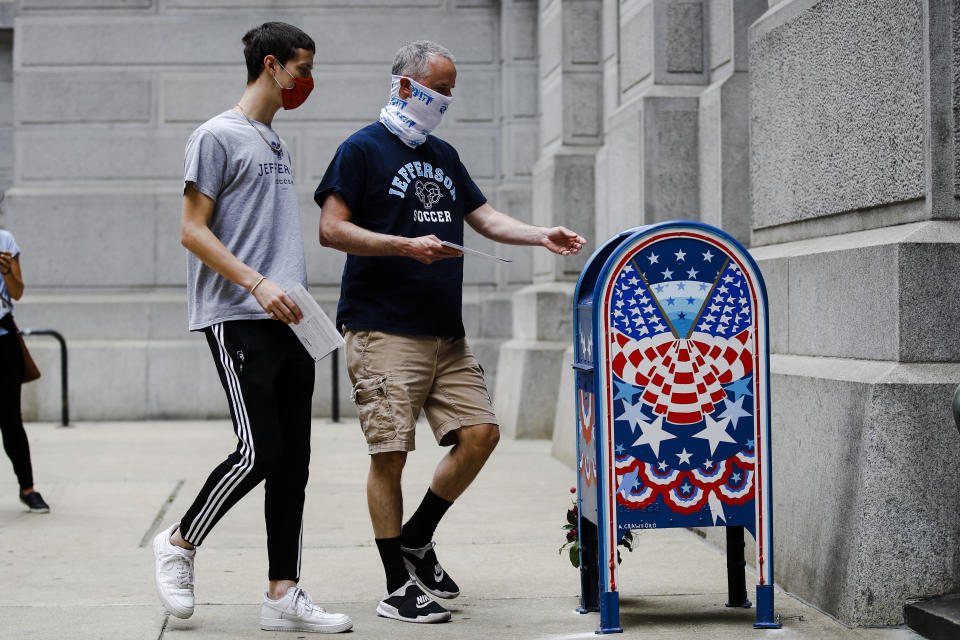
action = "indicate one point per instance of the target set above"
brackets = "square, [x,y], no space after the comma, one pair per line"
[256,215]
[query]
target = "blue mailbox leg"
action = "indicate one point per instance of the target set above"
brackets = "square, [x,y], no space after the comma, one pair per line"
[765,619]
[610,612]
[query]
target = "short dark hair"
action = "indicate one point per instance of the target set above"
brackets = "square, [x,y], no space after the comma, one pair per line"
[278,39]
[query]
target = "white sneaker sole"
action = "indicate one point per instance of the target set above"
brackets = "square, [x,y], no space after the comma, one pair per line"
[280,624]
[173,608]
[386,611]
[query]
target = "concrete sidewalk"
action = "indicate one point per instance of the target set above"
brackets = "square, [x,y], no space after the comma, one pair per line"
[86,570]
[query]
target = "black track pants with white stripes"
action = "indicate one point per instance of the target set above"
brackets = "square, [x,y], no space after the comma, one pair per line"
[268,377]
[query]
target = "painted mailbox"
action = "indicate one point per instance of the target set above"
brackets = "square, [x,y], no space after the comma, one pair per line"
[672,369]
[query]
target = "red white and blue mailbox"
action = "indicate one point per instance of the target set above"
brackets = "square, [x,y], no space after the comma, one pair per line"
[673,416]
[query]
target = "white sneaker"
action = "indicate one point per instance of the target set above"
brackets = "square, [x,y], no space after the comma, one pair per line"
[295,611]
[174,573]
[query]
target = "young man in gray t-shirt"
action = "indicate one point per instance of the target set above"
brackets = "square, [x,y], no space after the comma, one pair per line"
[241,227]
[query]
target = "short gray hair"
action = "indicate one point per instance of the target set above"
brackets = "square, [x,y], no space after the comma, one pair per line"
[412,58]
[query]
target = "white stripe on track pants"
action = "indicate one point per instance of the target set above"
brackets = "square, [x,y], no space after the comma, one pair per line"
[268,378]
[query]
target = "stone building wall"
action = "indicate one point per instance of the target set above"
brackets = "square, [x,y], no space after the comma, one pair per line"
[853,165]
[105,94]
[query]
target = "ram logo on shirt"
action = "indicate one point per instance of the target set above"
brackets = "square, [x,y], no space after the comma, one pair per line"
[411,171]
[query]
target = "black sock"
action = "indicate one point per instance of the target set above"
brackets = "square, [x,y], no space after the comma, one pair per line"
[418,532]
[393,566]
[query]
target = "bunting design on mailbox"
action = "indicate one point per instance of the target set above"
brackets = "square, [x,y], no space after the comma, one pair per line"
[681,316]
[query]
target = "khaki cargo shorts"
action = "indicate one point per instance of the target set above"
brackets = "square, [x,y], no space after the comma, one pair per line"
[396,376]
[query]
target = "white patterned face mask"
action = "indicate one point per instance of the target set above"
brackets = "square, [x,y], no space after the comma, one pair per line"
[413,119]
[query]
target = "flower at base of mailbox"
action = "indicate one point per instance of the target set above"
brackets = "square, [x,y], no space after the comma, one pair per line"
[573,536]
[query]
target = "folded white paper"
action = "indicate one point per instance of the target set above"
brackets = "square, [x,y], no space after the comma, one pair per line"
[317,333]
[473,252]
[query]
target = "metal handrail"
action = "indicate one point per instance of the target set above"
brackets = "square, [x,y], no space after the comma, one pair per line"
[64,396]
[335,385]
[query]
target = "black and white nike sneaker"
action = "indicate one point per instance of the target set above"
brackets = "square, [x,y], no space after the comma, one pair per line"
[410,604]
[423,566]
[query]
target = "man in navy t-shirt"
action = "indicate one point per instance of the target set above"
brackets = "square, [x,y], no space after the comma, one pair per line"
[391,195]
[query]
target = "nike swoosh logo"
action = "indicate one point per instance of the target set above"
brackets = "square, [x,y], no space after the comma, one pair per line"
[424,604]
[438,574]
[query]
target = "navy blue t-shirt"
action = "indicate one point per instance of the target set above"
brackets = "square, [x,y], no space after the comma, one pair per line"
[393,189]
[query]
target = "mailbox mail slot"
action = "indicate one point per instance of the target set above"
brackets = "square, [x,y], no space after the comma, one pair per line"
[672,371]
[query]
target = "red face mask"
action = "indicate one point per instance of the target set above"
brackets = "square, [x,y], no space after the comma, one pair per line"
[296,95]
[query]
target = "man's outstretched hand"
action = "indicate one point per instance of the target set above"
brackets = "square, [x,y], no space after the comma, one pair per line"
[562,241]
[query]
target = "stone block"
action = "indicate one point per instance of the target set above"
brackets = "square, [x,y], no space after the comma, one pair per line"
[364,5]
[520,99]
[744,14]
[53,98]
[551,111]
[544,312]
[582,108]
[86,4]
[171,256]
[478,149]
[519,149]
[107,380]
[198,95]
[478,271]
[724,133]
[684,35]
[526,391]
[720,17]
[550,39]
[906,315]
[478,95]
[955,63]
[321,145]
[487,352]
[865,489]
[107,315]
[564,446]
[496,312]
[96,239]
[182,381]
[619,179]
[324,264]
[519,24]
[776,278]
[671,156]
[352,38]
[636,47]
[563,195]
[515,199]
[837,110]
[75,154]
[581,32]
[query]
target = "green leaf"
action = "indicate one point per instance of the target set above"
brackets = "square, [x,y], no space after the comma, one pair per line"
[575,556]
[572,519]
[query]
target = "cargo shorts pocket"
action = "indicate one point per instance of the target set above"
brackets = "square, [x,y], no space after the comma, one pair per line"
[372,397]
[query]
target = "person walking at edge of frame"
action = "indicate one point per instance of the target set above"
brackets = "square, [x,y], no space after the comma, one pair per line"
[241,227]
[15,441]
[390,196]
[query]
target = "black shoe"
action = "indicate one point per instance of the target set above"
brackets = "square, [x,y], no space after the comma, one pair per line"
[410,604]
[35,501]
[423,566]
